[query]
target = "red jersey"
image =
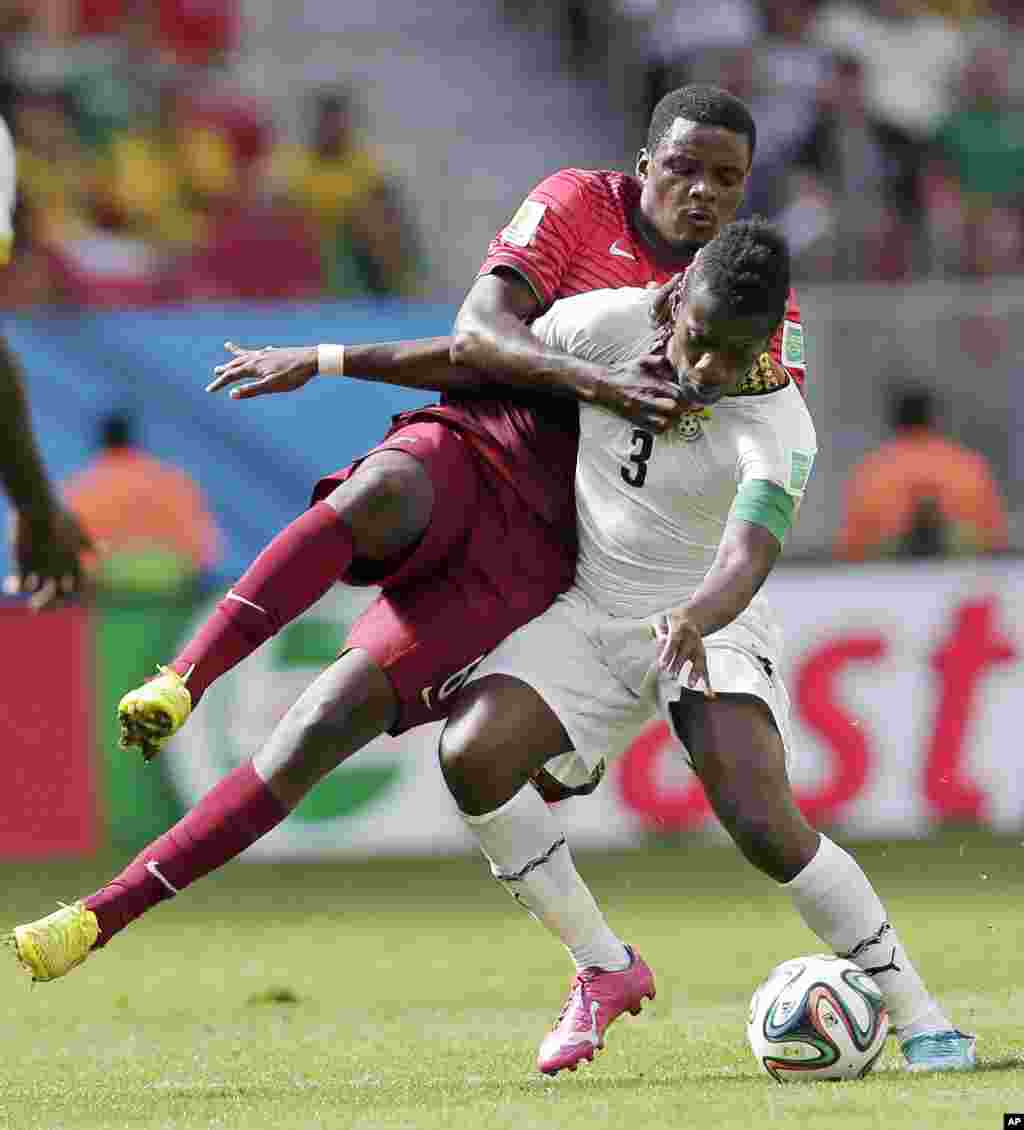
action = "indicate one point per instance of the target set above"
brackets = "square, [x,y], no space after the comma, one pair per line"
[573,233]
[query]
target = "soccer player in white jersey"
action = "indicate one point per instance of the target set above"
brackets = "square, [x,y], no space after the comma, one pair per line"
[677,534]
[47,540]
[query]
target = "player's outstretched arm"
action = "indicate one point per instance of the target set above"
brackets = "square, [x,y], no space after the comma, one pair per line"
[491,335]
[745,557]
[420,364]
[46,540]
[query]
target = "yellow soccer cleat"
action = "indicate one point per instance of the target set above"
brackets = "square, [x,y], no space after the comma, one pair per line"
[150,714]
[54,945]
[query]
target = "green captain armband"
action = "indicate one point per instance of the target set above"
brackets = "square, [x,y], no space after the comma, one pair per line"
[765,504]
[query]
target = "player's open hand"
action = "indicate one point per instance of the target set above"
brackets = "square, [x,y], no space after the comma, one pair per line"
[679,642]
[264,370]
[645,391]
[47,547]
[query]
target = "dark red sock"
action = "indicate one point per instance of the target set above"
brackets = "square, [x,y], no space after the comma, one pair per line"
[291,573]
[232,815]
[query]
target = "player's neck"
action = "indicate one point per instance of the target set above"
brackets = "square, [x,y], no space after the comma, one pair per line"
[670,253]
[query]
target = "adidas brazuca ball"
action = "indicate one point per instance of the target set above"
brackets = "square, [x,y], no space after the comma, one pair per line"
[817,1017]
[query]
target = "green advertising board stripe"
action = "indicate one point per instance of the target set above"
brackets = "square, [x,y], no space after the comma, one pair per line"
[309,643]
[142,800]
[132,637]
[345,792]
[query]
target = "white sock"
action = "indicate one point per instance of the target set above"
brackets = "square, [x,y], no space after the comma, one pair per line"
[836,900]
[525,844]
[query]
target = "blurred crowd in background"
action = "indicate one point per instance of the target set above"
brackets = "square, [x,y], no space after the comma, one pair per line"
[145,177]
[891,143]
[185,151]
[890,132]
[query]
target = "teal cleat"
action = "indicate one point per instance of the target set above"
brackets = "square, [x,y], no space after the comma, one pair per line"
[939,1051]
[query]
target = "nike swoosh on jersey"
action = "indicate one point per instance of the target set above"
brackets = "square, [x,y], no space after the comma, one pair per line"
[621,252]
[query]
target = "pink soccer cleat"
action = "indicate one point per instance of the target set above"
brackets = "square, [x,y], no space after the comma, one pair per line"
[597,997]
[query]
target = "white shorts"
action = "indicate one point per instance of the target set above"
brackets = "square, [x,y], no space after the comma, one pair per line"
[597,673]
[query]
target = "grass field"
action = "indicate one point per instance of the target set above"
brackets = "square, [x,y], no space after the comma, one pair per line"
[396,994]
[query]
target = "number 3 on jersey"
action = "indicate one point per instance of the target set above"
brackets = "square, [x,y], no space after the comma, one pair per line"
[643,445]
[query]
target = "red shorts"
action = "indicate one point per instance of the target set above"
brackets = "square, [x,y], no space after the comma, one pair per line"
[484,567]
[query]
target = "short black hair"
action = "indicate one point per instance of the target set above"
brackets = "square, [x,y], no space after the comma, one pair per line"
[912,406]
[747,266]
[116,431]
[706,105]
[333,101]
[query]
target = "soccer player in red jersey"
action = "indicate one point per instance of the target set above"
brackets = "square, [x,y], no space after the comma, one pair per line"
[465,506]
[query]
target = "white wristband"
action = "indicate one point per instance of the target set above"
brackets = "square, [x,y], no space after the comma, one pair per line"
[330,360]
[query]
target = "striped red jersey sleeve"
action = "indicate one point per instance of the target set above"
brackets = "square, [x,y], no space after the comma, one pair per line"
[787,346]
[575,233]
[541,239]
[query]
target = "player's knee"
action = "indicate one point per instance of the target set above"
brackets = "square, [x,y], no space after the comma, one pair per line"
[480,780]
[488,747]
[467,765]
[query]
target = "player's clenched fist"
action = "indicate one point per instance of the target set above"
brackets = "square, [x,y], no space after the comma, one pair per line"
[680,642]
[265,370]
[661,302]
[645,391]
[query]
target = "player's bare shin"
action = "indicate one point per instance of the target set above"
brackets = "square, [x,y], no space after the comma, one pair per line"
[348,705]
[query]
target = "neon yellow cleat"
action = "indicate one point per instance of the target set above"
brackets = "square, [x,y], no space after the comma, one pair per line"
[150,714]
[54,945]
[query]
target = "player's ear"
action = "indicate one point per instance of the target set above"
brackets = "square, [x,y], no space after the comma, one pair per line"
[643,164]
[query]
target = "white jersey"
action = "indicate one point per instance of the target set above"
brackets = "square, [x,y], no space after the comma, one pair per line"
[8,192]
[651,514]
[652,508]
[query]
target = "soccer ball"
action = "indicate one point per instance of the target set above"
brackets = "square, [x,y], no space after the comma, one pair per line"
[817,1017]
